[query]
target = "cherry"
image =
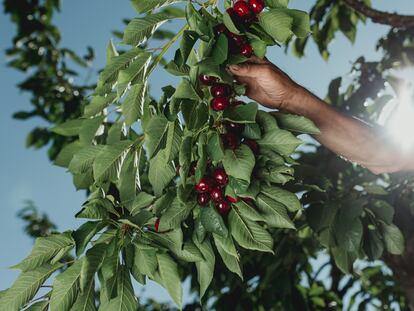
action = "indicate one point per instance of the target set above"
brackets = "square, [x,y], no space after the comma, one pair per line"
[204,185]
[157,224]
[220,90]
[220,176]
[231,141]
[257,5]
[223,207]
[208,80]
[242,9]
[220,28]
[220,103]
[234,127]
[203,198]
[248,200]
[237,39]
[235,103]
[252,144]
[216,194]
[231,199]
[246,50]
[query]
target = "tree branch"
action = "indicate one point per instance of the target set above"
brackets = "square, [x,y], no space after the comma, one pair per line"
[380,17]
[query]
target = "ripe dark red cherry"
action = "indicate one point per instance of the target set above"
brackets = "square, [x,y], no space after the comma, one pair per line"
[237,39]
[203,198]
[208,80]
[231,141]
[220,176]
[223,207]
[220,103]
[257,5]
[246,50]
[220,28]
[157,224]
[216,194]
[252,144]
[234,127]
[242,9]
[204,185]
[231,199]
[248,200]
[220,90]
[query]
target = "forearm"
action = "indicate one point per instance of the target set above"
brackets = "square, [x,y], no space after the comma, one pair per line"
[349,137]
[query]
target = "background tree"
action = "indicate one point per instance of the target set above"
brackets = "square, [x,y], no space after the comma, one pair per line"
[349,193]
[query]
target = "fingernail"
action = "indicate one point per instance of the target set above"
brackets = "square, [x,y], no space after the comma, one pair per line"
[234,67]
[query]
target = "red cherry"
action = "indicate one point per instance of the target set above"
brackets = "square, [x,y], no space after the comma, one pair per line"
[216,194]
[231,141]
[237,39]
[220,28]
[221,176]
[204,185]
[235,103]
[203,198]
[223,207]
[248,200]
[246,50]
[231,199]
[208,80]
[257,5]
[252,144]
[157,224]
[234,127]
[220,90]
[219,103]
[242,9]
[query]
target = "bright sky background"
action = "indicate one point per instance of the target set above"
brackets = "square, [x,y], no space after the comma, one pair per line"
[27,174]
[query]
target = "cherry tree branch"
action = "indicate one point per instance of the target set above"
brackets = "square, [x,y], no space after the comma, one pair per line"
[380,17]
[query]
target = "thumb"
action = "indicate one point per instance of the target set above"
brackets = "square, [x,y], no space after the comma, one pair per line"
[245,70]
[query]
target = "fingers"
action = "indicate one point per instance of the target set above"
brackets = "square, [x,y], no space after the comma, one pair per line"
[245,70]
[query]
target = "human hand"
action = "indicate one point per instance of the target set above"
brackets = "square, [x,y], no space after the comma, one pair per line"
[266,83]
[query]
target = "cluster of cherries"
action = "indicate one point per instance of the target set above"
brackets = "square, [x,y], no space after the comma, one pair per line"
[221,93]
[211,188]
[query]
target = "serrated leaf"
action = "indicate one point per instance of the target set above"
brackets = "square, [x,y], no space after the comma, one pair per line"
[239,163]
[132,107]
[280,141]
[83,159]
[92,262]
[155,134]
[89,129]
[228,253]
[393,239]
[228,22]
[142,200]
[249,211]
[274,213]
[186,90]
[242,113]
[205,268]
[85,233]
[168,270]
[249,234]
[66,154]
[145,261]
[215,147]
[97,104]
[107,164]
[85,300]
[134,73]
[295,123]
[148,5]
[220,51]
[68,128]
[26,287]
[277,23]
[173,140]
[212,221]
[139,30]
[288,199]
[174,214]
[66,288]
[45,248]
[160,173]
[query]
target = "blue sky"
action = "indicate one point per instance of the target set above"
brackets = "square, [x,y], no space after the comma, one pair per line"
[28,174]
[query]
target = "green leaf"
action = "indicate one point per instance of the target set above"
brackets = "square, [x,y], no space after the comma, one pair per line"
[132,107]
[239,163]
[45,248]
[187,44]
[26,287]
[170,278]
[97,104]
[249,212]
[66,154]
[393,239]
[382,211]
[266,121]
[155,134]
[82,160]
[139,30]
[186,90]
[92,262]
[205,268]
[85,233]
[38,306]
[280,141]
[252,131]
[295,123]
[174,215]
[242,113]
[220,51]
[215,147]
[249,234]
[125,299]
[348,233]
[274,213]
[301,23]
[145,261]
[68,128]
[89,129]
[228,22]
[134,73]
[108,163]
[212,221]
[66,288]
[173,140]
[277,23]
[142,200]
[343,259]
[228,253]
[85,300]
[288,199]
[160,173]
[148,5]
[277,3]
